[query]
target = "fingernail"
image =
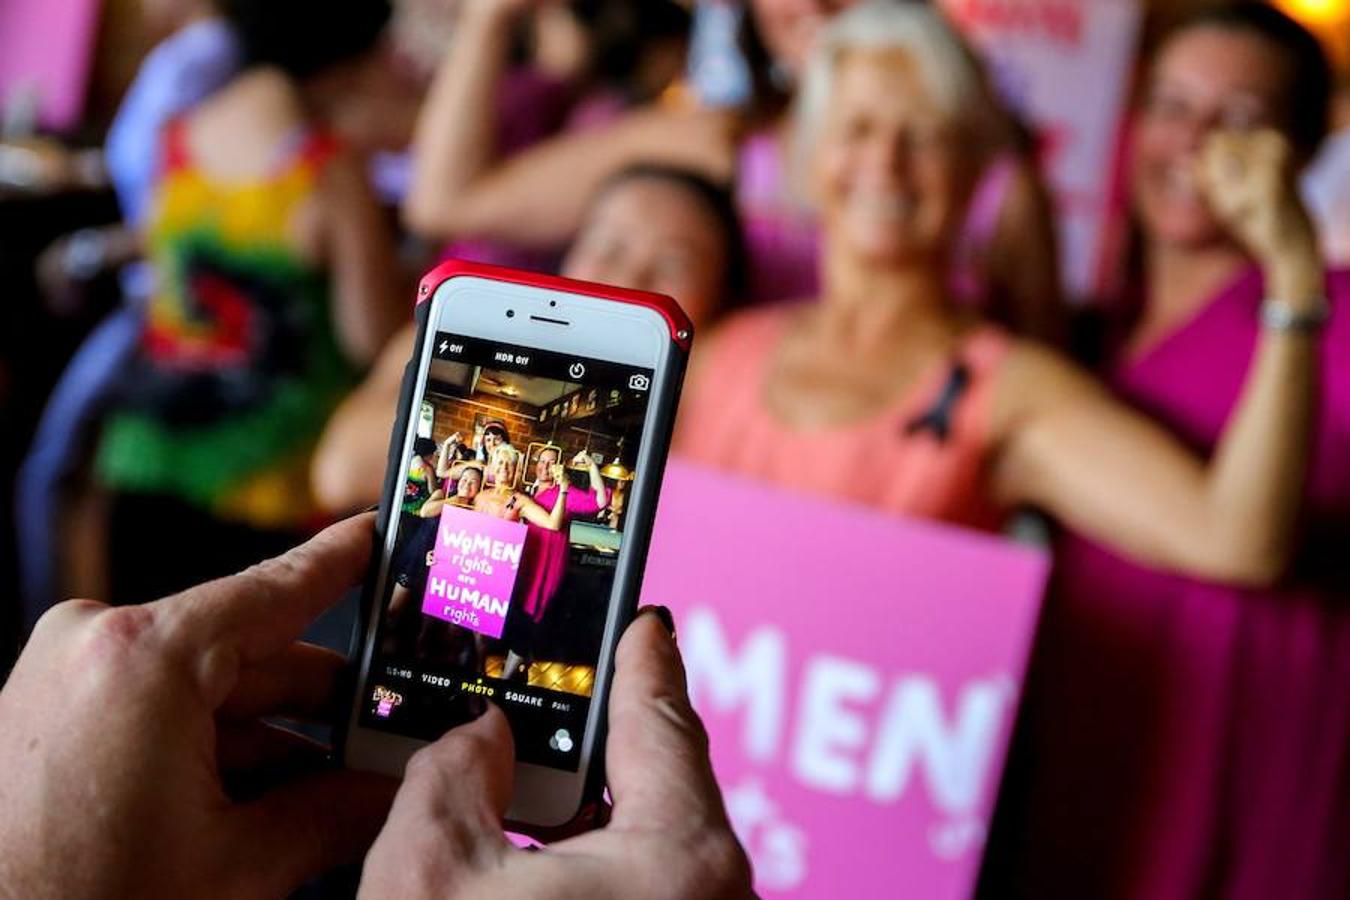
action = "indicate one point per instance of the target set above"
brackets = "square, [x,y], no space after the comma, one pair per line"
[663,613]
[373,508]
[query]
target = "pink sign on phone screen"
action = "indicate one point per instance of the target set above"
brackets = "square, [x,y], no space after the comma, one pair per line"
[858,674]
[477,560]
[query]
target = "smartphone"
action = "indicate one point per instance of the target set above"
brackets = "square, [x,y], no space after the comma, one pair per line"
[509,563]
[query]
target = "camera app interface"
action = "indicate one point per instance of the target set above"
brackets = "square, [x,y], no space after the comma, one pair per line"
[509,528]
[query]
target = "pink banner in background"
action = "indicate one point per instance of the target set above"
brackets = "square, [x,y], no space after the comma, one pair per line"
[46,47]
[477,559]
[858,675]
[1064,66]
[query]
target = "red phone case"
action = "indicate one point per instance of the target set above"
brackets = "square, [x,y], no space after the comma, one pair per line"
[637,535]
[681,329]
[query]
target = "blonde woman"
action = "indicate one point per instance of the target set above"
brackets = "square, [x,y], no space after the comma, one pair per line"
[540,571]
[963,421]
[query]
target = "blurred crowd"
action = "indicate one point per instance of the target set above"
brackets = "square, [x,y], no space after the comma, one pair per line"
[863,235]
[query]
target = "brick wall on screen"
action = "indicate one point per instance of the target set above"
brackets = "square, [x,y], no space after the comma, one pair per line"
[522,419]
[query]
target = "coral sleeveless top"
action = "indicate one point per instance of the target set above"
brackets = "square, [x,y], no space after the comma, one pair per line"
[924,455]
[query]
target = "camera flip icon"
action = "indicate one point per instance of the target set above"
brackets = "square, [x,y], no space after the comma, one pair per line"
[639,382]
[561,741]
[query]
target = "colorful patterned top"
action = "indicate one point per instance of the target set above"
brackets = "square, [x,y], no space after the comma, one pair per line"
[239,366]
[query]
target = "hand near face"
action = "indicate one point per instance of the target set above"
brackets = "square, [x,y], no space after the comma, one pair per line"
[560,475]
[668,838]
[1248,179]
[120,730]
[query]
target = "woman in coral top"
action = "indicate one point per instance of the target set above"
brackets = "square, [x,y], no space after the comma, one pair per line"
[925,410]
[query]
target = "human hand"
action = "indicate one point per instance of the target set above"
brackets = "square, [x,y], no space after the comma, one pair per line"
[668,837]
[122,729]
[560,475]
[1249,182]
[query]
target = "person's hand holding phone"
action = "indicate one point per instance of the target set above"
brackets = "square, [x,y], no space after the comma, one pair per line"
[124,733]
[669,836]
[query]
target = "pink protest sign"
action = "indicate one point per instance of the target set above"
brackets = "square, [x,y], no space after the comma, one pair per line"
[476,561]
[46,49]
[858,674]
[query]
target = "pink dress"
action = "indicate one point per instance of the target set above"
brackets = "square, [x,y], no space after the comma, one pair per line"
[545,559]
[1184,739]
[923,456]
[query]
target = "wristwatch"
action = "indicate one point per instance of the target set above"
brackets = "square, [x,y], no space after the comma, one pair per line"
[1279,316]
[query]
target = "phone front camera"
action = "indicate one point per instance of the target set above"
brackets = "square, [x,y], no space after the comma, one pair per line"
[510,313]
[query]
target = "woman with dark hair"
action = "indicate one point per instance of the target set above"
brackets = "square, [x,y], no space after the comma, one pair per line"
[275,284]
[651,227]
[1184,738]
[540,196]
[494,435]
[665,229]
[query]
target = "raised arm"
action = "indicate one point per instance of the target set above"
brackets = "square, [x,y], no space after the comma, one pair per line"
[368,305]
[444,467]
[598,487]
[455,139]
[538,196]
[1114,475]
[432,507]
[552,519]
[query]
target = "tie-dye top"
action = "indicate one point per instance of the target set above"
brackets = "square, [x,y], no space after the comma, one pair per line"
[238,366]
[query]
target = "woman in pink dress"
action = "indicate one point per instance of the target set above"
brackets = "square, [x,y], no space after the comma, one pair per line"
[546,550]
[1184,738]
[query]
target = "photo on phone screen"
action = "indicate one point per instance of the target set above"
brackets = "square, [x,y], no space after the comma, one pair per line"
[507,537]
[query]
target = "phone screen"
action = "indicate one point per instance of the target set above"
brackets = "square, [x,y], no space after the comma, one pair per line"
[509,527]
